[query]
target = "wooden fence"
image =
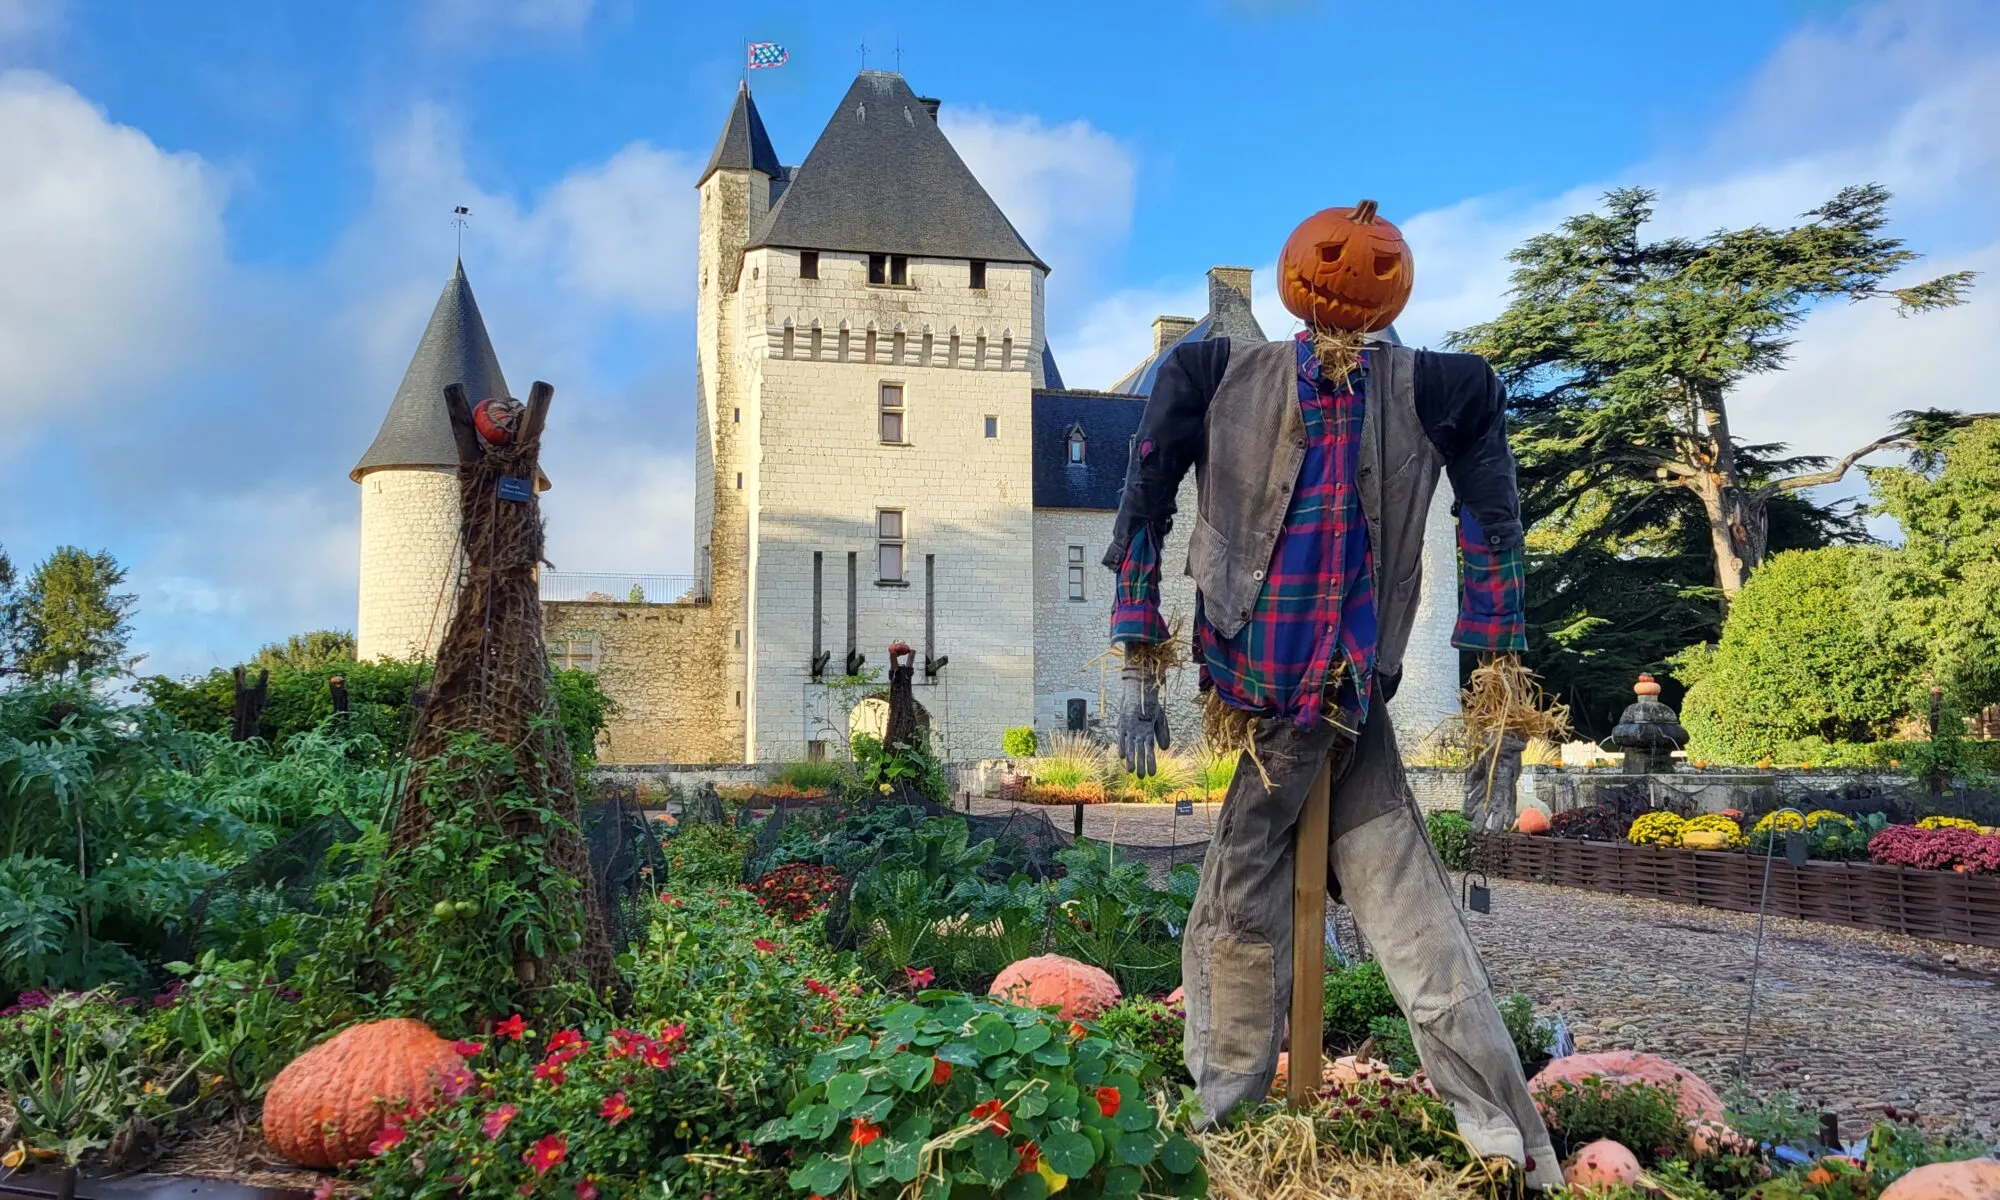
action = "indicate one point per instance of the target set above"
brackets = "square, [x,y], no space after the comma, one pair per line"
[1945,905]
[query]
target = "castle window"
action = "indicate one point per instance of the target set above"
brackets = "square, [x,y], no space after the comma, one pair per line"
[878,268]
[1076,443]
[993,427]
[583,652]
[890,269]
[889,545]
[808,264]
[899,270]
[1075,567]
[978,275]
[787,350]
[892,414]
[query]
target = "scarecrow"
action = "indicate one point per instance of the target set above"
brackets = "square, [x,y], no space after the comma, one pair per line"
[1316,459]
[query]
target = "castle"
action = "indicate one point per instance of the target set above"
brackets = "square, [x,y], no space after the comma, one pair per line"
[884,451]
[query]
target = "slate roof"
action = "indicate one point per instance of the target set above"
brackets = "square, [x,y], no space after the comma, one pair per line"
[1108,422]
[1051,374]
[1140,381]
[454,349]
[884,179]
[743,144]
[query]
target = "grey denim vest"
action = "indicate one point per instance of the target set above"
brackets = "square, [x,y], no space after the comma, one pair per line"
[1256,442]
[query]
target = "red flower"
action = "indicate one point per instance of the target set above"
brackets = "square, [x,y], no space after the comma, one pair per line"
[585,1189]
[495,1123]
[457,1082]
[765,944]
[1077,1031]
[940,1072]
[468,1049]
[387,1140]
[1031,1157]
[669,1034]
[566,1039]
[819,989]
[1108,1101]
[994,1114]
[864,1133]
[920,978]
[624,1043]
[615,1109]
[546,1153]
[553,1072]
[513,1027]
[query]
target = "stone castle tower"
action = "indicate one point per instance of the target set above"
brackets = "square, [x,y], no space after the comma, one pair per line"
[410,557]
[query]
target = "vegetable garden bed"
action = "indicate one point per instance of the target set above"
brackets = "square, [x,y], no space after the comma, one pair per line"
[1946,905]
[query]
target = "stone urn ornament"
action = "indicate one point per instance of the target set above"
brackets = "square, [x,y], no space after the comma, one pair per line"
[1648,731]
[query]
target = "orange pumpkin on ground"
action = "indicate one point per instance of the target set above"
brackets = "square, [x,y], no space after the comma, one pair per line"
[1972,1179]
[1080,990]
[1177,998]
[1697,1100]
[1339,1073]
[1709,1138]
[1346,269]
[1824,1171]
[1601,1166]
[1532,820]
[328,1104]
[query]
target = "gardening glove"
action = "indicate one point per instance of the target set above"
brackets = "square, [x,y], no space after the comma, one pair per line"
[1142,723]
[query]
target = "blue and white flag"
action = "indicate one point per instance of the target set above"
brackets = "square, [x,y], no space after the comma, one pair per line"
[767,54]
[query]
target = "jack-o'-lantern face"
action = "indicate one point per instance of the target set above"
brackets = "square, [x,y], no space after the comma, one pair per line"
[1345,269]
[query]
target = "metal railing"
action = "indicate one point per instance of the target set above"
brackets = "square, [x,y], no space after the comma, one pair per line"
[611,587]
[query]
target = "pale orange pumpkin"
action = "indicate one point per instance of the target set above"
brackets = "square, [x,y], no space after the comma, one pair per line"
[1601,1166]
[328,1104]
[1346,269]
[1532,820]
[1078,990]
[1972,1179]
[1697,1100]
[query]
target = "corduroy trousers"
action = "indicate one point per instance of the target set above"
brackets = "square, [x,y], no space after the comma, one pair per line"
[1236,955]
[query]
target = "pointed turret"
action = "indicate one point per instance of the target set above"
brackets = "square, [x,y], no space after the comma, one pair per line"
[884,179]
[454,349]
[743,145]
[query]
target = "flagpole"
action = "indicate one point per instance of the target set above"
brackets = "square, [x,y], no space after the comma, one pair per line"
[746,63]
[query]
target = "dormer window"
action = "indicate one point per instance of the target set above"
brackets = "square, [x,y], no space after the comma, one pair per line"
[892,270]
[1076,444]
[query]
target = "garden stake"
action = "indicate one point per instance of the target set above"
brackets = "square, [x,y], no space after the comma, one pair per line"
[1757,956]
[1309,941]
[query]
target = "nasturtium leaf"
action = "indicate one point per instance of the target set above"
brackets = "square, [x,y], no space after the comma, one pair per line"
[930,1037]
[844,1089]
[1026,1187]
[823,1068]
[1024,1016]
[910,1071]
[960,1053]
[993,1158]
[774,1130]
[1054,1054]
[1122,1181]
[902,1159]
[853,1047]
[868,1174]
[1089,1070]
[875,1107]
[1070,1154]
[1029,1038]
[1033,1103]
[1138,1148]
[822,1174]
[903,1016]
[992,1035]
[814,1122]
[1179,1155]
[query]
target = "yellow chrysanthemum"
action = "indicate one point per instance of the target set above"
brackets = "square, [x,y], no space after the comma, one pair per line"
[1656,829]
[1948,823]
[1819,816]
[1779,820]
[1716,823]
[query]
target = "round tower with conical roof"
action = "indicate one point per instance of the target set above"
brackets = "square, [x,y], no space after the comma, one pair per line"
[410,557]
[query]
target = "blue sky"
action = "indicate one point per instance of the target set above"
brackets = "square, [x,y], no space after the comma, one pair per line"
[224,223]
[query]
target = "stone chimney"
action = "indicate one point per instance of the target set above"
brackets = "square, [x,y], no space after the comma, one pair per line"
[930,104]
[1168,330]
[1227,287]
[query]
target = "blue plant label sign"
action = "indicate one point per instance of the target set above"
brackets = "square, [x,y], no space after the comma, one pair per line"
[512,488]
[1183,808]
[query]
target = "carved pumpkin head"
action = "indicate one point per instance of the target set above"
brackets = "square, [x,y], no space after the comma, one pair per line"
[1345,269]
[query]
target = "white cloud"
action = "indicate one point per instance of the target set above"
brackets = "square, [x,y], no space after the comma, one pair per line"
[1115,333]
[23,19]
[110,244]
[1067,188]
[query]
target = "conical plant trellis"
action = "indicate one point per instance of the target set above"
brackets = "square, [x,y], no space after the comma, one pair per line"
[492,679]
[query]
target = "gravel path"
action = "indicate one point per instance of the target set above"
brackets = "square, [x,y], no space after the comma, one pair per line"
[1852,1020]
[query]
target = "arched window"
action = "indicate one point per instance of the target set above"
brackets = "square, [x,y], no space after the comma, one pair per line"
[1076,443]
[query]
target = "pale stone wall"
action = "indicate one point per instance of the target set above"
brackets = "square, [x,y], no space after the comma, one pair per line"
[1428,695]
[658,663]
[1069,635]
[409,561]
[821,474]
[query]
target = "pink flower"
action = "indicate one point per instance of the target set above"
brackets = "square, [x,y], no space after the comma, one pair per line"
[920,978]
[546,1153]
[387,1140]
[765,944]
[615,1109]
[585,1189]
[514,1027]
[495,1123]
[457,1082]
[324,1190]
[468,1049]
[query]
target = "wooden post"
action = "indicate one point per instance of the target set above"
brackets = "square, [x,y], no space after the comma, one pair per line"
[1309,941]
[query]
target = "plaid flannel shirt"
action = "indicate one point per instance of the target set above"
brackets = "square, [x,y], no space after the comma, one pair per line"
[1317,607]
